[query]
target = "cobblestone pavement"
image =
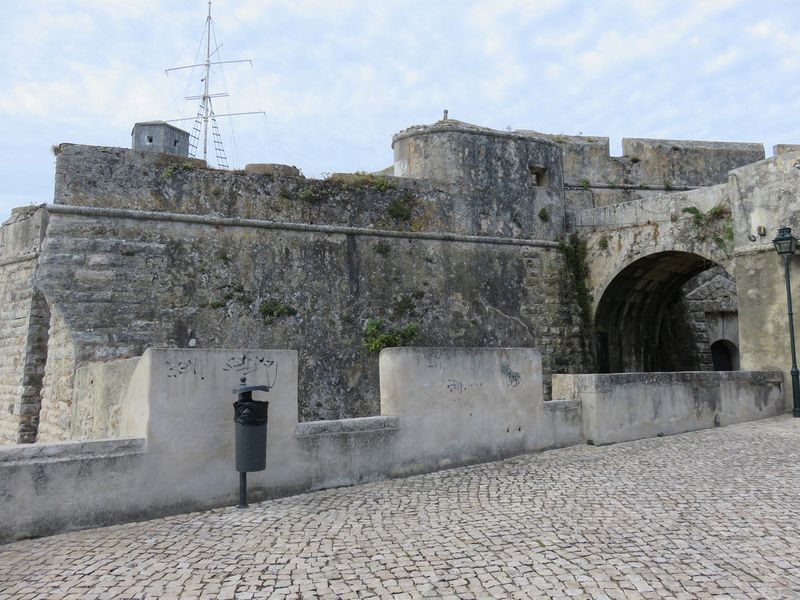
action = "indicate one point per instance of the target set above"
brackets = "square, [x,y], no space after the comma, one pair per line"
[699,515]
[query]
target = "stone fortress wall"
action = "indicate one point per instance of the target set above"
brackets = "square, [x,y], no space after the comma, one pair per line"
[141,250]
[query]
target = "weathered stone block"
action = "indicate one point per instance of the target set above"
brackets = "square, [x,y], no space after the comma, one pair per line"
[272,169]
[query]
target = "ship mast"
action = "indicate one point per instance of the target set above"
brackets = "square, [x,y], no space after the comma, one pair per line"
[205,112]
[206,99]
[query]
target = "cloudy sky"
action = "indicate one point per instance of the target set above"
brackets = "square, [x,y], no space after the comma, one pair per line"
[338,77]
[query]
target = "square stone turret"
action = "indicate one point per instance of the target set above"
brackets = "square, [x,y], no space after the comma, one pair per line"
[159,136]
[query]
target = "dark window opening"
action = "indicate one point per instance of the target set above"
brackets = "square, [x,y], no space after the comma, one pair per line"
[149,139]
[175,143]
[537,176]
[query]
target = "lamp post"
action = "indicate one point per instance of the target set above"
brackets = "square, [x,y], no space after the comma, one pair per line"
[786,244]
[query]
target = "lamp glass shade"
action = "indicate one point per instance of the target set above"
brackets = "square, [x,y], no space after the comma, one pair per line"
[785,243]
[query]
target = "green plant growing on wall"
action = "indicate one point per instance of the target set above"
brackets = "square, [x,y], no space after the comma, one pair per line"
[310,194]
[544,215]
[283,193]
[380,183]
[585,183]
[602,243]
[378,335]
[668,185]
[720,211]
[698,218]
[168,171]
[274,309]
[217,303]
[400,208]
[382,248]
[716,225]
[173,167]
[576,253]
[728,234]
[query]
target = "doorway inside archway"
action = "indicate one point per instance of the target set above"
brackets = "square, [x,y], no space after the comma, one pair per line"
[725,356]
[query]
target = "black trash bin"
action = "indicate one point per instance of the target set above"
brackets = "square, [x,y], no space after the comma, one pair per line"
[250,420]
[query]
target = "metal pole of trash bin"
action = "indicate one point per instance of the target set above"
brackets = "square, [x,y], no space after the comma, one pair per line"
[250,421]
[242,490]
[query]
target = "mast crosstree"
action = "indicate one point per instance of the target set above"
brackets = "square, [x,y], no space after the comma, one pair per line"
[205,116]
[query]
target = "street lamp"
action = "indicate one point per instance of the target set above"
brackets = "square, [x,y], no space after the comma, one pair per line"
[786,244]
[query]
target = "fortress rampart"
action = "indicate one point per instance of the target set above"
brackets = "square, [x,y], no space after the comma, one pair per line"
[461,245]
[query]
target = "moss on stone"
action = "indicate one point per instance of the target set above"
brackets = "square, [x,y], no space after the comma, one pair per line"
[274,309]
[544,215]
[576,253]
[400,208]
[382,248]
[404,305]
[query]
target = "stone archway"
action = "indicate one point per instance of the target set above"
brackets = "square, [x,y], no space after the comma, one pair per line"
[638,320]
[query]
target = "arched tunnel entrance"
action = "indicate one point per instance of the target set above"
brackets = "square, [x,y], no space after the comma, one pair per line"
[642,323]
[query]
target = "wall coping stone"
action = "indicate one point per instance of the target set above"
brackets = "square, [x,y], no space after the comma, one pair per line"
[561,405]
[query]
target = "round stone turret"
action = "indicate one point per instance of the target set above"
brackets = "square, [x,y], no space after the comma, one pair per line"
[454,152]
[507,175]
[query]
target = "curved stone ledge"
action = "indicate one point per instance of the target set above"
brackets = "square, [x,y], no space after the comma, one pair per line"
[140,215]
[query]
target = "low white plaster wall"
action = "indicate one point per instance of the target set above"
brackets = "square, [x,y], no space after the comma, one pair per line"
[465,405]
[347,451]
[181,402]
[442,407]
[46,488]
[618,407]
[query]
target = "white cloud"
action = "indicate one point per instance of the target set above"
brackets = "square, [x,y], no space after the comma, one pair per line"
[722,61]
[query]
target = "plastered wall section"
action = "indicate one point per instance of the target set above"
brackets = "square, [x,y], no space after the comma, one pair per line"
[766,195]
[463,405]
[24,319]
[176,453]
[96,397]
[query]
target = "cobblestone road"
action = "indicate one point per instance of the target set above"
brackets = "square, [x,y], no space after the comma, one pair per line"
[699,515]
